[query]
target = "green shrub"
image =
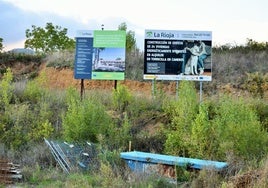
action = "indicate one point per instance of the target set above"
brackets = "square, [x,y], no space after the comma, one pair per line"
[230,128]
[6,90]
[261,108]
[182,114]
[117,136]
[17,120]
[30,115]
[203,138]
[61,59]
[121,98]
[255,84]
[36,89]
[239,130]
[84,119]
[31,121]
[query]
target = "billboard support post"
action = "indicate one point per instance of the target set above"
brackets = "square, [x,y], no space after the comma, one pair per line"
[82,89]
[200,91]
[115,84]
[153,88]
[177,89]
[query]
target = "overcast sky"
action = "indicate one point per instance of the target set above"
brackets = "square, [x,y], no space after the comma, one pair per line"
[231,21]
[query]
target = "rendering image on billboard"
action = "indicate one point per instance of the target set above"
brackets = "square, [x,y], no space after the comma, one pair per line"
[178,55]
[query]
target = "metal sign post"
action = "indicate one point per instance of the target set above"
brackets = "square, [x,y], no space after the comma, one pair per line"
[153,88]
[82,91]
[200,92]
[177,89]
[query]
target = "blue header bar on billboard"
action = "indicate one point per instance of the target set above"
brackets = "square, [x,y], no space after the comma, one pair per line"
[83,55]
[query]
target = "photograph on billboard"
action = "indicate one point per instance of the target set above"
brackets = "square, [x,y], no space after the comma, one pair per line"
[177,55]
[100,55]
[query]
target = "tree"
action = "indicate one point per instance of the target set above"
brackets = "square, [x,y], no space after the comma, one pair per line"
[49,39]
[1,45]
[130,37]
[134,59]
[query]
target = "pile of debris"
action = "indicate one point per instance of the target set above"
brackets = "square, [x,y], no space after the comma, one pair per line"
[9,172]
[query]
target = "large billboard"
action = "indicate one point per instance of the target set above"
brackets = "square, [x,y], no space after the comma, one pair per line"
[100,55]
[177,55]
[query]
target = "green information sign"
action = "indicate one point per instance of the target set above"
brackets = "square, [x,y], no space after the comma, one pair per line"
[105,56]
[109,39]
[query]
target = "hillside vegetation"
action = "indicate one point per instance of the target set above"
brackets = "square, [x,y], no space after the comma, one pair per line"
[229,124]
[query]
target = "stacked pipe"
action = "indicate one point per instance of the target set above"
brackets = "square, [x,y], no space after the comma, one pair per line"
[9,172]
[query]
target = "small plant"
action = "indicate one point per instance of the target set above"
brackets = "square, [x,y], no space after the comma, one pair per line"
[182,173]
[121,98]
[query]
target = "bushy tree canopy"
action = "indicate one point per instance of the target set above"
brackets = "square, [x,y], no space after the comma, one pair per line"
[130,37]
[49,39]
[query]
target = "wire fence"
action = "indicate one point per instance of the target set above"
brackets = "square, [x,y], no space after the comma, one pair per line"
[74,156]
